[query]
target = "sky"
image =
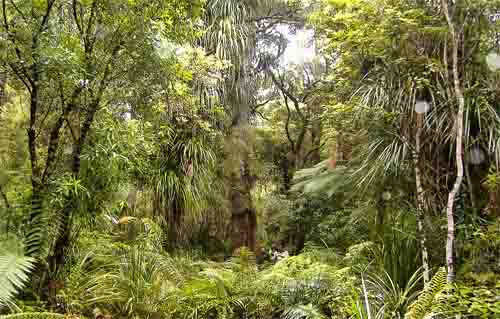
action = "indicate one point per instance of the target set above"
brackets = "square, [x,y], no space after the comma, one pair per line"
[300,47]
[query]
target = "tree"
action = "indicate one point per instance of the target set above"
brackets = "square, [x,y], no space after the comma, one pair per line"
[458,146]
[408,67]
[234,29]
[301,88]
[69,57]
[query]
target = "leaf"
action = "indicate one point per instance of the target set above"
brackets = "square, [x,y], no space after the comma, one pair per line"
[14,271]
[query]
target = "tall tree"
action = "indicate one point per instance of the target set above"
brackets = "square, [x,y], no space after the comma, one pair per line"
[234,29]
[69,57]
[459,131]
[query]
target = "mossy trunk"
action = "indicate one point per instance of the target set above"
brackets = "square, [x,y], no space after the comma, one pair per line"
[243,214]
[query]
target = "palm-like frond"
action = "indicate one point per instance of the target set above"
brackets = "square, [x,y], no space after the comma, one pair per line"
[390,297]
[181,180]
[320,179]
[142,281]
[89,285]
[303,312]
[14,273]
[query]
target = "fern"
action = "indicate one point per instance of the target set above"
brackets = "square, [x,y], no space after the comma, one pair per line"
[14,271]
[422,306]
[36,233]
[319,179]
[303,312]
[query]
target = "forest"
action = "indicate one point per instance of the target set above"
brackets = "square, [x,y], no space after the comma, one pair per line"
[250,159]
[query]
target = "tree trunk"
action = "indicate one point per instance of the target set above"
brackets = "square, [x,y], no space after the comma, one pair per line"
[493,207]
[243,215]
[56,259]
[286,166]
[174,225]
[316,143]
[450,243]
[332,163]
[7,208]
[380,218]
[243,221]
[132,198]
[421,201]
[300,241]
[3,95]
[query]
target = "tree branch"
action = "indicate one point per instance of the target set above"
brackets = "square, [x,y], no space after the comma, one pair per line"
[17,50]
[18,11]
[75,16]
[55,133]
[282,88]
[287,123]
[4,197]
[314,149]
[45,18]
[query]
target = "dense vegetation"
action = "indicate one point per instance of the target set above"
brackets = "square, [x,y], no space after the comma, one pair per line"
[154,153]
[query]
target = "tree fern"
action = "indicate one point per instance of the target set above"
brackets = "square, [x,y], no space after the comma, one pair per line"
[422,306]
[319,179]
[14,272]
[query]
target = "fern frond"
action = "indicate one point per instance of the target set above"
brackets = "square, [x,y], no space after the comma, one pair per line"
[37,232]
[14,272]
[303,312]
[421,307]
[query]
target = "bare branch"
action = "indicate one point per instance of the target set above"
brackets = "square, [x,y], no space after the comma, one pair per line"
[287,123]
[18,10]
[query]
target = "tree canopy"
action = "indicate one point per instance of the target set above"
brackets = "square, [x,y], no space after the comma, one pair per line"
[287,159]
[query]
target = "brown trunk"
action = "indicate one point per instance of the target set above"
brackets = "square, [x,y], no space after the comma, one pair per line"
[3,81]
[286,167]
[380,219]
[239,229]
[174,225]
[316,143]
[493,208]
[56,259]
[332,163]
[243,221]
[243,215]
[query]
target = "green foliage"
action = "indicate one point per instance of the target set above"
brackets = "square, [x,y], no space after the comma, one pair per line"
[492,180]
[398,253]
[37,315]
[479,248]
[428,297]
[303,312]
[14,274]
[382,297]
[89,284]
[471,300]
[142,137]
[320,179]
